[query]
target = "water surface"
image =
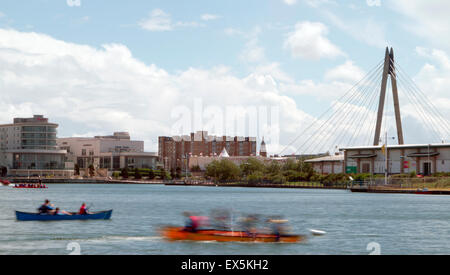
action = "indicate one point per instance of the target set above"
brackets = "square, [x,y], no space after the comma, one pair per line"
[401,224]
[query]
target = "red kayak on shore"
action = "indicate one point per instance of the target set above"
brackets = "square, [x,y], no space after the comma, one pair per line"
[5,182]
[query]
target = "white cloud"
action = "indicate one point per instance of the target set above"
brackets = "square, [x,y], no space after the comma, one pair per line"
[159,20]
[434,77]
[318,3]
[2,14]
[346,72]
[89,90]
[366,30]
[233,32]
[309,41]
[208,17]
[373,3]
[428,19]
[74,3]
[290,2]
[253,52]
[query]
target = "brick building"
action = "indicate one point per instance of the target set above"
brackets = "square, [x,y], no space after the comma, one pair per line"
[173,151]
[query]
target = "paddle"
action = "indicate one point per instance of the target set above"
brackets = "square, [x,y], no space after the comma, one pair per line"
[89,206]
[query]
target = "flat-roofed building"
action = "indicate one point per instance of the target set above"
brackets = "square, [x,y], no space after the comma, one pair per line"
[328,164]
[108,152]
[28,147]
[425,159]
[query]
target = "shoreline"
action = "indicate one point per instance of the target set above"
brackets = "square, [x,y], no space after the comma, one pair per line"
[374,190]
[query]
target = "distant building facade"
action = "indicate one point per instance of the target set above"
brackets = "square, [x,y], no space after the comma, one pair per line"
[28,147]
[108,152]
[174,151]
[263,149]
[425,159]
[328,164]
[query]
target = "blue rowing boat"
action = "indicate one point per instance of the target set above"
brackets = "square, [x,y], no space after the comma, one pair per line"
[103,215]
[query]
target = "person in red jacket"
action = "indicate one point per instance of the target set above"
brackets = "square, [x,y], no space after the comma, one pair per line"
[83,210]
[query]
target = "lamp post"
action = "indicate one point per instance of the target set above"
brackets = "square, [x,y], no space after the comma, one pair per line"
[429,162]
[386,170]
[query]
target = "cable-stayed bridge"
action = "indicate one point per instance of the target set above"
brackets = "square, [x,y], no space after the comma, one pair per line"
[363,115]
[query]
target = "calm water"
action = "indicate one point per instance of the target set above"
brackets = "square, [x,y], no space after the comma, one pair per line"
[401,224]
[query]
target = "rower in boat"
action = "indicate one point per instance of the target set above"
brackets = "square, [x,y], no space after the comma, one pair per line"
[83,210]
[278,227]
[249,224]
[194,223]
[46,208]
[57,211]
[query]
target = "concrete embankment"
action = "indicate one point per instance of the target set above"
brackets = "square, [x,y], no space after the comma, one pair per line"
[299,186]
[400,191]
[80,181]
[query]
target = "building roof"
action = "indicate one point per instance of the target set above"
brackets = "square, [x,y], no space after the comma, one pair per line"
[327,159]
[224,153]
[404,146]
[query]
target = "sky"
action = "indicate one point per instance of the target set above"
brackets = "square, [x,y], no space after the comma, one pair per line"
[170,67]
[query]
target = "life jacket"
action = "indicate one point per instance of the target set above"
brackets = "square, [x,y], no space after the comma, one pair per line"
[82,210]
[43,209]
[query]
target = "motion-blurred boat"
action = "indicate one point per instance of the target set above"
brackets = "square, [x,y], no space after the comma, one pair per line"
[102,215]
[178,234]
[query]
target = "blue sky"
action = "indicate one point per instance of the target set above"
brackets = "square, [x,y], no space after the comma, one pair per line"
[293,42]
[96,22]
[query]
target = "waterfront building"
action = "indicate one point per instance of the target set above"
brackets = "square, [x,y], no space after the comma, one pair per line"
[425,159]
[112,152]
[175,151]
[28,147]
[327,164]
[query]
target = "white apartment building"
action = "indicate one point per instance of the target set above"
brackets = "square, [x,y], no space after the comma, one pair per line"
[108,152]
[28,148]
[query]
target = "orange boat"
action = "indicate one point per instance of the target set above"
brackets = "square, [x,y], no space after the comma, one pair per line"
[178,234]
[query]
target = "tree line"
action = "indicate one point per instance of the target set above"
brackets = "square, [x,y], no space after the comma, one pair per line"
[256,171]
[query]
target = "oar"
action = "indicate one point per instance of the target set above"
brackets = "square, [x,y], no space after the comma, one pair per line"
[89,207]
[316,232]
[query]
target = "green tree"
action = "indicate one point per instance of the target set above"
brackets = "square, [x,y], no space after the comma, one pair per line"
[223,170]
[278,179]
[91,170]
[137,174]
[124,173]
[256,177]
[273,169]
[151,174]
[251,166]
[290,165]
[77,169]
[178,173]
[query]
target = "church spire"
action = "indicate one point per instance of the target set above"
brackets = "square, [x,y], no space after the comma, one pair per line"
[263,149]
